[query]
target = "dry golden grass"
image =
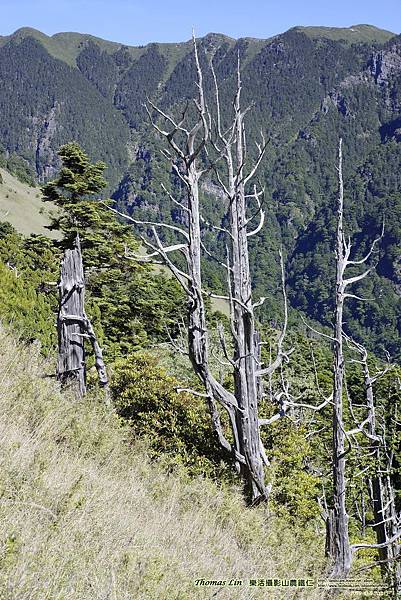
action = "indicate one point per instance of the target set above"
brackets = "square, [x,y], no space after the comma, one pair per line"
[84,515]
[21,205]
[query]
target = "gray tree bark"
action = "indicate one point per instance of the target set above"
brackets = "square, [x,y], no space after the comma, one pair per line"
[247,379]
[186,143]
[387,527]
[338,544]
[71,350]
[73,326]
[387,523]
[242,405]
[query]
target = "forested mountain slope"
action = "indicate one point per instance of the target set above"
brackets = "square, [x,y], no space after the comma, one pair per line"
[307,87]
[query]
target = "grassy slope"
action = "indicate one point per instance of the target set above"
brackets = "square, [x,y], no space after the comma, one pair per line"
[66,46]
[355,33]
[21,206]
[84,515]
[51,45]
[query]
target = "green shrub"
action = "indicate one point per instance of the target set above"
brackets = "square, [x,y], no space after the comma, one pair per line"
[295,489]
[176,424]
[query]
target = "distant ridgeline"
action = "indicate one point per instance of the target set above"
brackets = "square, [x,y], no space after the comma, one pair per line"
[308,87]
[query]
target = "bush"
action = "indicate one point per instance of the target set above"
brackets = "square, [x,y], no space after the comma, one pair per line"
[295,490]
[175,424]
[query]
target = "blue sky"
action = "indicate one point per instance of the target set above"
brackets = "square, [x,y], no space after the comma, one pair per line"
[136,22]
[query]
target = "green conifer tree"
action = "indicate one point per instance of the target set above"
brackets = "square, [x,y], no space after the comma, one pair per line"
[127,301]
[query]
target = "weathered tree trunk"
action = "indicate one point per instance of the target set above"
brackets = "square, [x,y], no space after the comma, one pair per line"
[385,517]
[383,496]
[71,350]
[198,343]
[381,502]
[246,367]
[392,528]
[386,521]
[73,326]
[338,545]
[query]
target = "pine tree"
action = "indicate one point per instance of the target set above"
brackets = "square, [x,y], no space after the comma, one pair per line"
[133,302]
[77,181]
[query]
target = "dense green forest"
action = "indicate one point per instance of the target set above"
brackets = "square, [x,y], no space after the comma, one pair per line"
[306,86]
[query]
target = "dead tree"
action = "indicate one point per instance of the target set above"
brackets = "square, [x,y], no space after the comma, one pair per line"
[235,182]
[386,522]
[247,370]
[186,143]
[337,541]
[73,326]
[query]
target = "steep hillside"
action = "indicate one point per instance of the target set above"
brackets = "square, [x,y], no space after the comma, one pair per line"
[21,205]
[78,86]
[44,103]
[85,515]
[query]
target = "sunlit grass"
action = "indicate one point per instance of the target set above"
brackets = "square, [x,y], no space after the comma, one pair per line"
[84,514]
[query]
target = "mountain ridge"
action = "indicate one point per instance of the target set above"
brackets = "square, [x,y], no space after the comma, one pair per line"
[65,45]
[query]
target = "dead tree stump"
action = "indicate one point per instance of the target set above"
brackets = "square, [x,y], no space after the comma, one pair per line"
[73,326]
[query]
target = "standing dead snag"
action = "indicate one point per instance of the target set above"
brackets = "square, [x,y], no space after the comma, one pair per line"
[231,147]
[186,143]
[337,541]
[386,522]
[71,351]
[73,325]
[72,191]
